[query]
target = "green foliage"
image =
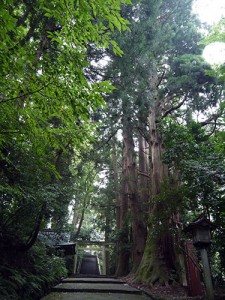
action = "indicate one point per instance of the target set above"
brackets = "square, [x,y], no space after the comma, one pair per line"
[34,277]
[166,205]
[186,65]
[182,142]
[47,102]
[191,76]
[198,158]
[217,35]
[48,52]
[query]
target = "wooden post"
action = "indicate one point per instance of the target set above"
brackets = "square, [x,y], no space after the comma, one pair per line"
[193,274]
[107,260]
[207,274]
[103,260]
[75,259]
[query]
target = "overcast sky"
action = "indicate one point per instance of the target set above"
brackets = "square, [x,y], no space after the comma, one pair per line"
[211,12]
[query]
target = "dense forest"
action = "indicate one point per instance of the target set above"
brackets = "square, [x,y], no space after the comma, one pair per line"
[111,128]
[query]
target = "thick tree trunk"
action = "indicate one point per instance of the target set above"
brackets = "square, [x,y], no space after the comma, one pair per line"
[151,268]
[129,197]
[159,171]
[139,233]
[159,260]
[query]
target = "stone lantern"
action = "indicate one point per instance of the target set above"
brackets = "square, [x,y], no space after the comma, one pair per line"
[201,232]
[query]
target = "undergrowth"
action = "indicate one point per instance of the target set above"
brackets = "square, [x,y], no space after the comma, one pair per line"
[30,275]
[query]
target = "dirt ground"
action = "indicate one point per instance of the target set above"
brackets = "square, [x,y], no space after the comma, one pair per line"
[173,292]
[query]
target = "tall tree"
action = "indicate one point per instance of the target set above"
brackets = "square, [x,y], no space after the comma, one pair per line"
[160,75]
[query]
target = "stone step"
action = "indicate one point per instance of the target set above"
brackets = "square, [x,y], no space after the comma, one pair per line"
[95,296]
[93,280]
[95,287]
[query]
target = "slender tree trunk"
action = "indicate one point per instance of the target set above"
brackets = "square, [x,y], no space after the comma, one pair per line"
[80,222]
[116,184]
[137,224]
[143,175]
[123,241]
[75,216]
[118,201]
[33,237]
[107,232]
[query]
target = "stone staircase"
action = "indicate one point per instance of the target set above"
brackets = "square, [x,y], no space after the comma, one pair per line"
[94,288]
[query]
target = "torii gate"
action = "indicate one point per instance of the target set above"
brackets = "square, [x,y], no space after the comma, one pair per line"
[102,245]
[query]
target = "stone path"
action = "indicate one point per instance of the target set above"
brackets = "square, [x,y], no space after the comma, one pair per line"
[94,288]
[89,265]
[90,286]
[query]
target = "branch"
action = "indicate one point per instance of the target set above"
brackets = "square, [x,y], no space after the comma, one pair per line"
[213,117]
[61,150]
[214,129]
[174,107]
[33,237]
[21,20]
[143,174]
[43,43]
[9,132]
[10,218]
[142,133]
[219,124]
[107,141]
[26,94]
[160,79]
[171,96]
[81,219]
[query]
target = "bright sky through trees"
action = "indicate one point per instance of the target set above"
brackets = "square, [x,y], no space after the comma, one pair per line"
[211,12]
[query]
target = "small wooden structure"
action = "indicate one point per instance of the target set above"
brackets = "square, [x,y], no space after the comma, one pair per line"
[68,248]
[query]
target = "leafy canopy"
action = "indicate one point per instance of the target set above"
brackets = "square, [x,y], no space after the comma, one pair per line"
[47,103]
